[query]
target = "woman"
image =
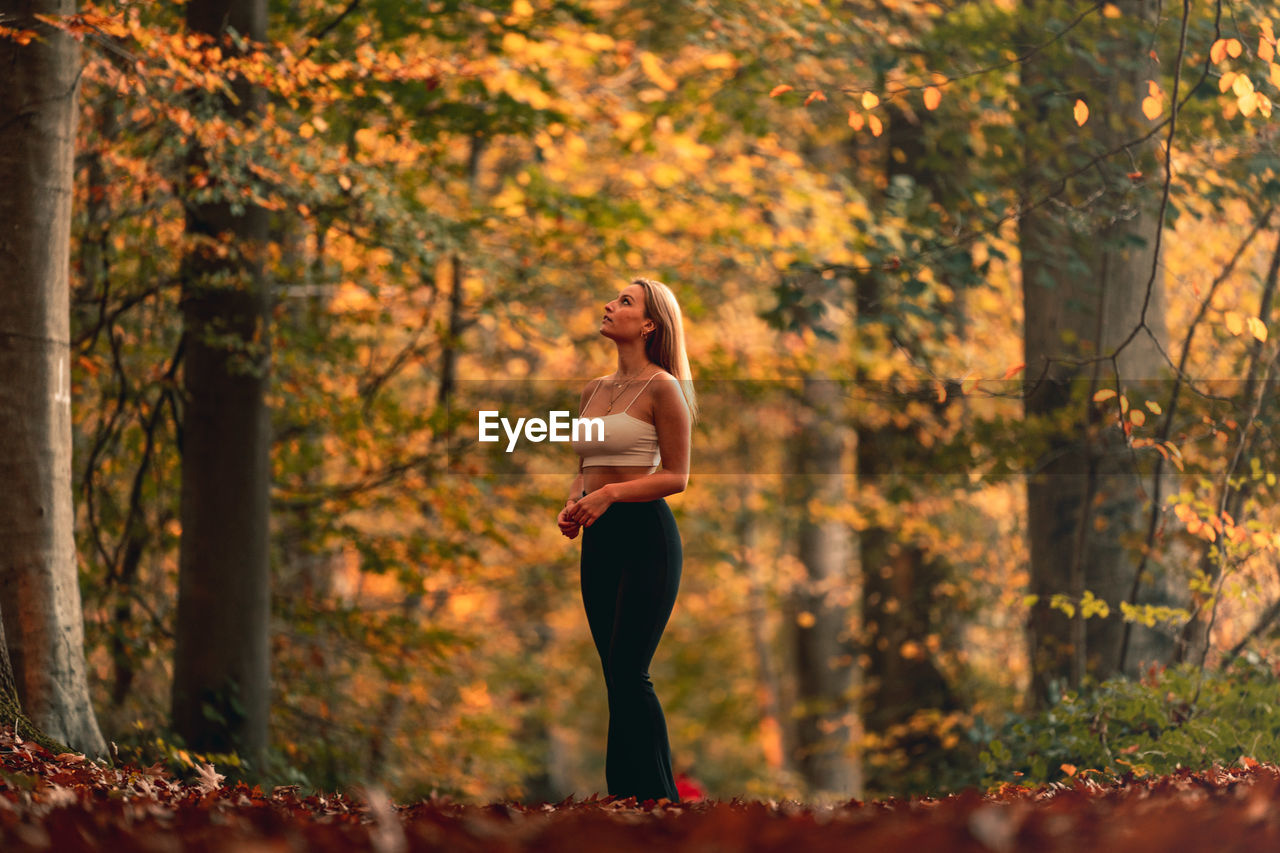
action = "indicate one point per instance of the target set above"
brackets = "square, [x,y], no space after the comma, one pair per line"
[631,554]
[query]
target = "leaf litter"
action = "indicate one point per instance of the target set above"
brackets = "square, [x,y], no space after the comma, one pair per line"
[68,803]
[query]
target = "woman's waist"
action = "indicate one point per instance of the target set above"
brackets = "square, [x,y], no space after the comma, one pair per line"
[598,476]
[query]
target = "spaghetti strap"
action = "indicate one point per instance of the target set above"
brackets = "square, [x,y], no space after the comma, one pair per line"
[638,393]
[599,382]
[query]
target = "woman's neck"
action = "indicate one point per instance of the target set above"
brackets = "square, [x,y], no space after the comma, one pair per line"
[632,360]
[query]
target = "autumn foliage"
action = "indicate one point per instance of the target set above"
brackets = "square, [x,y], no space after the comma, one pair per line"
[68,804]
[836,195]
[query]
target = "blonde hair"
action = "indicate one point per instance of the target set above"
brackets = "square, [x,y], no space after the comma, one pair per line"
[665,347]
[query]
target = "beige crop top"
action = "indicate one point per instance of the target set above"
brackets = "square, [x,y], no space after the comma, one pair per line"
[627,440]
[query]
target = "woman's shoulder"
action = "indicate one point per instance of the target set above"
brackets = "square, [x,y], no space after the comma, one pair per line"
[663,385]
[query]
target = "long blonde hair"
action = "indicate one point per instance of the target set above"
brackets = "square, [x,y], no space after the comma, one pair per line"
[665,347]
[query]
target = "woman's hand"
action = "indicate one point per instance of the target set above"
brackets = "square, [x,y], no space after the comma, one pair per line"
[568,527]
[586,510]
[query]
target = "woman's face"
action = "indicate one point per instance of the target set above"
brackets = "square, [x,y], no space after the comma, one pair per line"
[624,317]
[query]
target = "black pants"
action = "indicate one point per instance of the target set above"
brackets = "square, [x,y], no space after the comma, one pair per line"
[631,561]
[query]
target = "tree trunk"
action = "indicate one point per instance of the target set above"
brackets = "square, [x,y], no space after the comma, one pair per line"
[221,682]
[39,587]
[824,647]
[900,606]
[1087,259]
[775,737]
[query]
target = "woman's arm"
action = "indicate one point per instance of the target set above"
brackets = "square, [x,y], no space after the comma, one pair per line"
[671,418]
[567,526]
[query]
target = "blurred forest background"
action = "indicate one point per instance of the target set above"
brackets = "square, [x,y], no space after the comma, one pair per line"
[977,297]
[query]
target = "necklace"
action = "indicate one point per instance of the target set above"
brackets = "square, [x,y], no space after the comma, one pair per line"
[620,388]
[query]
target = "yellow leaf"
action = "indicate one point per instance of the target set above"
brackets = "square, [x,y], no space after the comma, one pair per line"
[1266,52]
[720,60]
[1242,85]
[1248,104]
[522,8]
[1104,394]
[1234,322]
[1153,89]
[781,89]
[856,120]
[1154,407]
[877,127]
[1264,105]
[1257,328]
[1275,74]
[1152,107]
[1081,112]
[1218,52]
[932,97]
[870,101]
[653,69]
[1234,48]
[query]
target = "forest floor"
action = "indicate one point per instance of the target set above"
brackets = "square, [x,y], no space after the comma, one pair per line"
[68,803]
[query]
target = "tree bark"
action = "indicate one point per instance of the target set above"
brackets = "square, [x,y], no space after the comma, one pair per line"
[1087,260]
[823,643]
[900,581]
[221,684]
[775,737]
[39,587]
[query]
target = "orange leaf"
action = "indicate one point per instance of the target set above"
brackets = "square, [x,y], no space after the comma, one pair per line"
[856,120]
[781,89]
[1081,112]
[814,96]
[1257,328]
[877,127]
[1218,52]
[1014,371]
[1069,769]
[1234,322]
[1104,394]
[870,101]
[1234,48]
[1266,52]
[932,97]
[1152,107]
[1138,417]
